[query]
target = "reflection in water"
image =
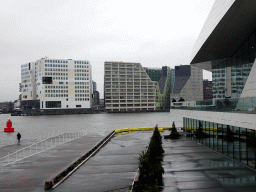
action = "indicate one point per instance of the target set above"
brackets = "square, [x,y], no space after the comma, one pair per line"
[222,163]
[32,128]
[236,177]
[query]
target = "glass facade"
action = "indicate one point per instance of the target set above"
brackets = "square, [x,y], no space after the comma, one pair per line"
[154,74]
[235,142]
[230,75]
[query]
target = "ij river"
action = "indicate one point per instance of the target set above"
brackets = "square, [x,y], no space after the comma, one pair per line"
[34,128]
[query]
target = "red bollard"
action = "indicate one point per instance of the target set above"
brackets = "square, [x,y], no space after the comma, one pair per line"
[9,127]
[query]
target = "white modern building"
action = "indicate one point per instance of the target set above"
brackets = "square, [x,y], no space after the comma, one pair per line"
[58,83]
[28,83]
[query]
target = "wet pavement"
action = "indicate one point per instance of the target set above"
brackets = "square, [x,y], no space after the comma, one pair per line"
[31,173]
[190,167]
[12,153]
[113,168]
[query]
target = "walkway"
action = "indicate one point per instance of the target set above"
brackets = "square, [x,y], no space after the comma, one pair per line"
[113,168]
[30,174]
[190,167]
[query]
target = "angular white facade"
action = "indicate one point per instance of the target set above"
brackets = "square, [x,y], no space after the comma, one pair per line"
[128,88]
[60,83]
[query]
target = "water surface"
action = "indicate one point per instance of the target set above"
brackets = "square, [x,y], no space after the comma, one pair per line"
[34,128]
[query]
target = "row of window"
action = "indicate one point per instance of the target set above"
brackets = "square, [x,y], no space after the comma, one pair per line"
[126,76]
[81,78]
[81,62]
[81,70]
[129,101]
[128,83]
[81,91]
[122,65]
[124,94]
[81,74]
[60,78]
[57,91]
[129,105]
[56,95]
[55,65]
[25,77]
[24,73]
[81,83]
[25,86]
[23,66]
[129,87]
[81,66]
[132,97]
[129,90]
[56,61]
[53,69]
[81,87]
[81,99]
[125,73]
[81,95]
[129,80]
[62,74]
[57,87]
[25,81]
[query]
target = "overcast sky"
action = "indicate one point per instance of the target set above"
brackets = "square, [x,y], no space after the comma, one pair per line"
[154,33]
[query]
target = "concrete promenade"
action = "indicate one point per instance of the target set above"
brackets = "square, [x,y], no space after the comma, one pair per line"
[31,173]
[113,168]
[189,167]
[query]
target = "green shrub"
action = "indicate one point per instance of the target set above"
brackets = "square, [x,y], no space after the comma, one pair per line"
[174,133]
[150,165]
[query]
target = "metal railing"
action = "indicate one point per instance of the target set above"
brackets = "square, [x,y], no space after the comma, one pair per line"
[39,147]
[41,136]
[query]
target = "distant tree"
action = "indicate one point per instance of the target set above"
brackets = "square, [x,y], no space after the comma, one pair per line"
[174,133]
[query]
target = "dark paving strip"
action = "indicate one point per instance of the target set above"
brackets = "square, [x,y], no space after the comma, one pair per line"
[30,174]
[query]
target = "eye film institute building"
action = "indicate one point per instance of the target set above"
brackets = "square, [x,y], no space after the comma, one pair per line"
[226,46]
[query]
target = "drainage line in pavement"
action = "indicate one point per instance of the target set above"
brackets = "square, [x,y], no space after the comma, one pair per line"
[95,150]
[236,161]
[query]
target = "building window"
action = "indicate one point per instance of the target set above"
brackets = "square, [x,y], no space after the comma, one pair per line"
[47,80]
[53,104]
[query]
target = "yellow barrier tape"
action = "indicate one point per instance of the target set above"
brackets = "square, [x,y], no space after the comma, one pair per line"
[141,129]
